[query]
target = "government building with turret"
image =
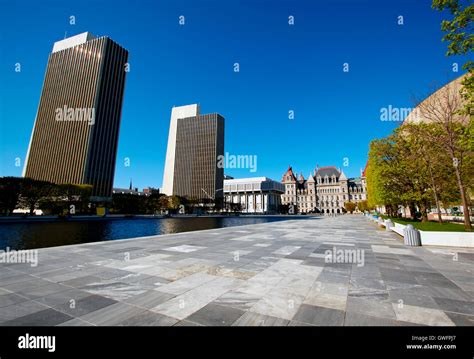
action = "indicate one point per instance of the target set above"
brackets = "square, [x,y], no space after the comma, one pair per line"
[324,191]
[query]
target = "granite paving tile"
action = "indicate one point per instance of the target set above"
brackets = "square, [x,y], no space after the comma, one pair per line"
[216,315]
[319,315]
[47,317]
[263,274]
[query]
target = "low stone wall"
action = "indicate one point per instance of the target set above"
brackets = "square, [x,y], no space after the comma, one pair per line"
[452,239]
[398,228]
[435,238]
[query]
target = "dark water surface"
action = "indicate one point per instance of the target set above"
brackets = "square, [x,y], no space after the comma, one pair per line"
[50,234]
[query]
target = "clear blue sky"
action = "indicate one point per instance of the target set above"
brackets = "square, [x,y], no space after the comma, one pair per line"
[282,68]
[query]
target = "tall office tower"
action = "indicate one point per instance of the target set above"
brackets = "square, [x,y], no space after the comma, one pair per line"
[176,113]
[75,135]
[195,143]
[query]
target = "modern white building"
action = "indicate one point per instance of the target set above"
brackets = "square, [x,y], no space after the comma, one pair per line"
[176,113]
[253,195]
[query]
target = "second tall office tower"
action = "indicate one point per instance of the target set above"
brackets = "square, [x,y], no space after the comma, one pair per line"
[195,143]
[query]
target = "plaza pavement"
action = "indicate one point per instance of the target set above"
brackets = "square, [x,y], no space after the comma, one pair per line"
[264,274]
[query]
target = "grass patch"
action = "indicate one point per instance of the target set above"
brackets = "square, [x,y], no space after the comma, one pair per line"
[429,226]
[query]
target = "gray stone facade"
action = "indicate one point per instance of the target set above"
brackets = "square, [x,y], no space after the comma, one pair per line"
[324,191]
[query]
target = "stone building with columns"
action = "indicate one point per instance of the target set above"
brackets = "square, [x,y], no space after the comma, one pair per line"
[253,195]
[324,191]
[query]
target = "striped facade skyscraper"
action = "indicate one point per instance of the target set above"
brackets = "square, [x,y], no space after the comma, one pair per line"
[75,135]
[195,143]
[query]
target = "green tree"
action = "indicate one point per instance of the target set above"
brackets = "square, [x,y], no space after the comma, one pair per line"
[372,179]
[33,191]
[454,137]
[350,206]
[395,177]
[84,192]
[433,163]
[10,189]
[384,179]
[75,196]
[175,202]
[363,206]
[153,204]
[164,203]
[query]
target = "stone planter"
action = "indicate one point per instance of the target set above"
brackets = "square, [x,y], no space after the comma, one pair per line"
[411,236]
[388,225]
